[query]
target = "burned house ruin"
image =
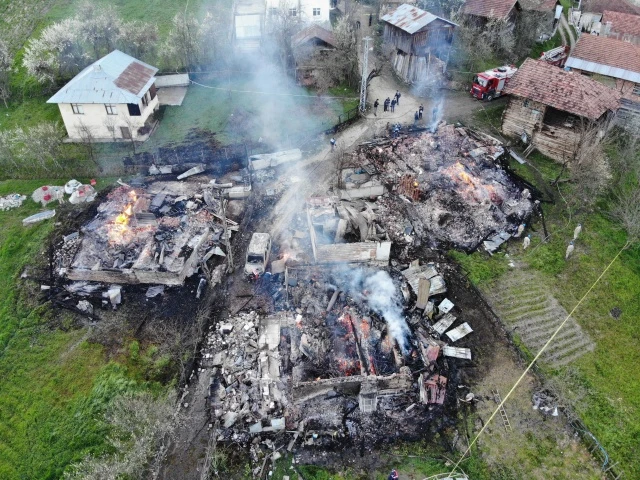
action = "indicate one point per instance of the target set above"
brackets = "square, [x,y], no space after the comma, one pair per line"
[446,187]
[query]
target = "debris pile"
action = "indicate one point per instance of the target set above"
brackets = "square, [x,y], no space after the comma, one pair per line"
[155,234]
[353,356]
[13,200]
[446,185]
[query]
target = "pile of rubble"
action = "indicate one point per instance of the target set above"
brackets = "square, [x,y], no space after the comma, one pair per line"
[358,353]
[447,185]
[154,234]
[13,200]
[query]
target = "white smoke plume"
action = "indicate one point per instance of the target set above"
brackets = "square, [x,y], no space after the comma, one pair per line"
[382,297]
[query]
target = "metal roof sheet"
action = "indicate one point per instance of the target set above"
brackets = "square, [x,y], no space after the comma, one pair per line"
[411,19]
[601,69]
[601,52]
[112,79]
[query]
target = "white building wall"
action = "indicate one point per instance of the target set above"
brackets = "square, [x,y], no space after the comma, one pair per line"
[304,8]
[95,118]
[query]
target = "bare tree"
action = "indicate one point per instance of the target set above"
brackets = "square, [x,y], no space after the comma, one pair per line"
[99,27]
[6,68]
[139,39]
[183,45]
[140,425]
[88,138]
[283,25]
[626,211]
[110,122]
[588,168]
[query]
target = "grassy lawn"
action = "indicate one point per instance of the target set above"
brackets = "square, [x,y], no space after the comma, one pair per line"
[54,384]
[241,115]
[604,385]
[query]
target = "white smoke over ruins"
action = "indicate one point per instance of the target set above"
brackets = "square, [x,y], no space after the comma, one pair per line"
[381,294]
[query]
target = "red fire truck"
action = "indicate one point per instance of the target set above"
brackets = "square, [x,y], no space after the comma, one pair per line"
[489,85]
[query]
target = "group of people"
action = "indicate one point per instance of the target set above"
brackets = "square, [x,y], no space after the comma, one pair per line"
[388,105]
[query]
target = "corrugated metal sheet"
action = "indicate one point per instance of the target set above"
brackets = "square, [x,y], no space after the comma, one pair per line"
[411,19]
[97,82]
[459,332]
[444,323]
[457,352]
[601,69]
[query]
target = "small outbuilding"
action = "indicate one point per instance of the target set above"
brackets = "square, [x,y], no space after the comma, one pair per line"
[112,99]
[549,108]
[615,63]
[420,40]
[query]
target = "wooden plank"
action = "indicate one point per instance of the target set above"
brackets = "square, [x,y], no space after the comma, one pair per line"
[424,286]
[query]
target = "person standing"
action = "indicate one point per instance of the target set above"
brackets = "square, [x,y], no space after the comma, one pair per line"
[393,475]
[526,242]
[393,105]
[333,143]
[386,104]
[415,118]
[398,95]
[420,110]
[375,107]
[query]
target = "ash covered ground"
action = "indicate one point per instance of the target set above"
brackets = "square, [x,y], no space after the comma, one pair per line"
[447,186]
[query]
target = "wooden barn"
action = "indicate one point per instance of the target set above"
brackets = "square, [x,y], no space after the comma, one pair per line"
[421,42]
[551,107]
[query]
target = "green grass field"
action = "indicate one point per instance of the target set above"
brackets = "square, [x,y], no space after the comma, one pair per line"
[54,385]
[604,385]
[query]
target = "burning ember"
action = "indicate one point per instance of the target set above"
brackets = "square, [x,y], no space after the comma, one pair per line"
[462,194]
[142,237]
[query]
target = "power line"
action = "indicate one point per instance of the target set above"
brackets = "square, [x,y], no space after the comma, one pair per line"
[535,359]
[279,94]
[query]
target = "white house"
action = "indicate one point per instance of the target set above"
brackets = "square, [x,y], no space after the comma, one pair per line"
[111,99]
[307,10]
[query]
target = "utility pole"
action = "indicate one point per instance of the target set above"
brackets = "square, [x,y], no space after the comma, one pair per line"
[365,75]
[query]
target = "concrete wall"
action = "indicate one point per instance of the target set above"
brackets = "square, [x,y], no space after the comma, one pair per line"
[95,118]
[304,8]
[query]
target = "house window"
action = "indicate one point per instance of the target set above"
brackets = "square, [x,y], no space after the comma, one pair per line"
[636,89]
[77,109]
[273,11]
[316,12]
[145,102]
[525,103]
[112,130]
[293,12]
[111,109]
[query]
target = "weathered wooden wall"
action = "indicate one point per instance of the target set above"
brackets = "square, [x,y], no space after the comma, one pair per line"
[398,38]
[522,115]
[557,142]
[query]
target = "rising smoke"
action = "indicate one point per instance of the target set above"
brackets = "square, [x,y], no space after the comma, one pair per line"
[378,291]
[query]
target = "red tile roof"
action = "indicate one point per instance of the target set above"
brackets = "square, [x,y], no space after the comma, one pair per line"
[599,6]
[608,51]
[622,22]
[311,32]
[489,8]
[565,91]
